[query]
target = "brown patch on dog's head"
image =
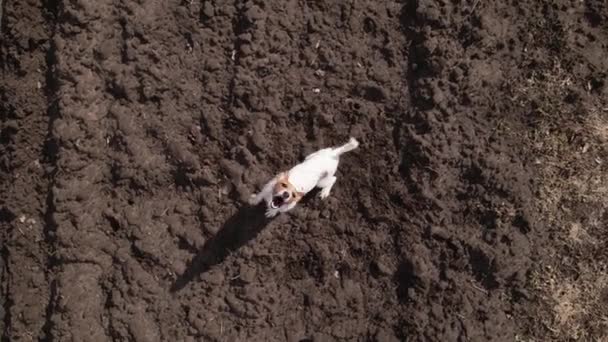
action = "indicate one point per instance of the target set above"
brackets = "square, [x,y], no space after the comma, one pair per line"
[284,192]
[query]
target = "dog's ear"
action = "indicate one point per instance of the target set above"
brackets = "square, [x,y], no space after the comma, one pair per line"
[295,197]
[282,177]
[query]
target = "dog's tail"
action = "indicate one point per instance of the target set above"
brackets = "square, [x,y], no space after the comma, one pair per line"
[349,146]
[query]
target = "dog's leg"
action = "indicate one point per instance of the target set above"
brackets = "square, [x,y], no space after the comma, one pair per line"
[255,199]
[326,184]
[272,212]
[287,207]
[349,146]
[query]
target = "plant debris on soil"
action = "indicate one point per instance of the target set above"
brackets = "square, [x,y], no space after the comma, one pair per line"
[133,132]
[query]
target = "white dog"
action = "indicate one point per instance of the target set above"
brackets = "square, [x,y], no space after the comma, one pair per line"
[285,190]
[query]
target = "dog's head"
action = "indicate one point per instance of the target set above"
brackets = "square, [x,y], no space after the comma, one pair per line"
[284,193]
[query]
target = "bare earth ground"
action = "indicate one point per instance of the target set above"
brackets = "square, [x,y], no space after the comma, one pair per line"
[132,133]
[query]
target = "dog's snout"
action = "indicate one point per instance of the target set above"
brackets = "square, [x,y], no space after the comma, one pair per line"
[285,195]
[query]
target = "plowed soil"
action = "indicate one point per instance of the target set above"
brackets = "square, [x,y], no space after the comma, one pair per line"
[133,132]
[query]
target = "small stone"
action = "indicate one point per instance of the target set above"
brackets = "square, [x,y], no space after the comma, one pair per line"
[246,50]
[183,208]
[259,140]
[254,13]
[247,274]
[245,156]
[213,277]
[132,216]
[339,229]
[208,9]
[382,268]
[212,228]
[179,267]
[438,232]
[236,306]
[246,37]
[232,169]
[212,65]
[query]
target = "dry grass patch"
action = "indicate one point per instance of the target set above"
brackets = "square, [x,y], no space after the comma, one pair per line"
[569,140]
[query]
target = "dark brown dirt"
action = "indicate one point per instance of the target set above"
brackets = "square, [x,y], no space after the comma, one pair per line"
[133,132]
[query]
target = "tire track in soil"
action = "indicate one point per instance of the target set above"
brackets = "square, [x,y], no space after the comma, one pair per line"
[81,165]
[26,168]
[162,227]
[274,101]
[441,140]
[153,143]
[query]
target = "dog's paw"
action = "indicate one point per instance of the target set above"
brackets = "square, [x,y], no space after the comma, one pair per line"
[324,193]
[270,213]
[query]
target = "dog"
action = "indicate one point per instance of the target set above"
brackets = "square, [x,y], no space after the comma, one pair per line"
[286,189]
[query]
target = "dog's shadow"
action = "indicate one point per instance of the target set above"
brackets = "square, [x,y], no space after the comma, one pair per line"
[241,228]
